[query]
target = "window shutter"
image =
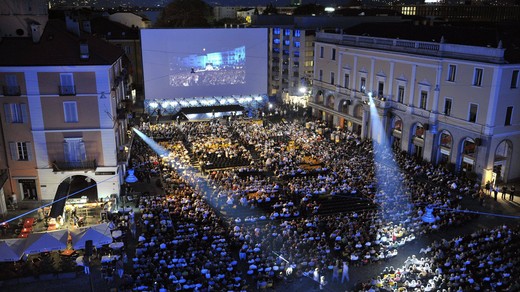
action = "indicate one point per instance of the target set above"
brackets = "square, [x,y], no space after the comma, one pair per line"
[14,150]
[82,151]
[7,111]
[23,108]
[29,150]
[66,151]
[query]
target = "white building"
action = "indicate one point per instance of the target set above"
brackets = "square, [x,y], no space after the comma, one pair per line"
[448,102]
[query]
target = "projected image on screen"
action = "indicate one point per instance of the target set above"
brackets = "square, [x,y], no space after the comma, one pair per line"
[204,62]
[212,68]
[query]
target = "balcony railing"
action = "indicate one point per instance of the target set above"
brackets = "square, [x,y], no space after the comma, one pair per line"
[12,90]
[74,165]
[67,90]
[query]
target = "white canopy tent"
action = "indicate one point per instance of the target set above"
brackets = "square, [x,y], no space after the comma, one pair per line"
[99,234]
[46,241]
[11,250]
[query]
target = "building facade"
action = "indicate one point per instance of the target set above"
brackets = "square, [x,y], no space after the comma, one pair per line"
[451,104]
[63,114]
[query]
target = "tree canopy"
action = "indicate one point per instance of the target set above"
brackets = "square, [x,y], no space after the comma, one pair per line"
[309,9]
[186,13]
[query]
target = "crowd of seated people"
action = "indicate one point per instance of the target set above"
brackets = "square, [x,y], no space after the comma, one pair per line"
[486,260]
[289,222]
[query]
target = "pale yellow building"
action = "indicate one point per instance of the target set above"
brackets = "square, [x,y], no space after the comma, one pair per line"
[446,95]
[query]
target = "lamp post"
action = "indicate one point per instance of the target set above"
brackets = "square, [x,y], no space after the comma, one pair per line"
[130,179]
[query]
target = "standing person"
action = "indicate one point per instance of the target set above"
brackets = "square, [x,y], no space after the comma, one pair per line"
[14,201]
[335,273]
[120,267]
[316,278]
[344,274]
[504,191]
[86,264]
[495,192]
[512,193]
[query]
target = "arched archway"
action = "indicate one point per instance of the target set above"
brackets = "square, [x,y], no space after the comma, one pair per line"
[502,160]
[344,106]
[417,140]
[77,187]
[397,131]
[444,149]
[467,155]
[358,113]
[318,98]
[330,101]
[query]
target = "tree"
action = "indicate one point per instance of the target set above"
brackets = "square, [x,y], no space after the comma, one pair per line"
[186,13]
[309,9]
[270,10]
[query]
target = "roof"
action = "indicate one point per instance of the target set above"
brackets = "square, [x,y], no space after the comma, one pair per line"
[57,47]
[209,109]
[102,26]
[473,34]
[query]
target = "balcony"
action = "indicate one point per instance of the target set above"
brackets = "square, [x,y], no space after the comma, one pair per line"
[73,165]
[67,90]
[11,90]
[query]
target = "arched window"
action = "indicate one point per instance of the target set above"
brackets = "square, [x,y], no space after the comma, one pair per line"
[330,101]
[445,144]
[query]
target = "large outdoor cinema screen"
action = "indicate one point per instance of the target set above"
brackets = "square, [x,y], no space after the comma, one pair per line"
[204,62]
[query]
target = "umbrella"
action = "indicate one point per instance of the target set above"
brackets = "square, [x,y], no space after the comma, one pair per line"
[11,250]
[46,241]
[80,237]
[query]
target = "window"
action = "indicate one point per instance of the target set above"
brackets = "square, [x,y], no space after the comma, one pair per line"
[346,81]
[400,94]
[74,150]
[509,115]
[296,44]
[452,71]
[11,88]
[321,52]
[514,79]
[20,151]
[473,110]
[287,32]
[333,54]
[477,77]
[67,84]
[321,75]
[447,106]
[362,85]
[70,112]
[309,63]
[332,78]
[276,41]
[380,88]
[297,33]
[276,31]
[286,42]
[424,99]
[15,113]
[297,54]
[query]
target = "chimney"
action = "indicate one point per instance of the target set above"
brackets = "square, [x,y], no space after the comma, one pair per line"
[36,32]
[83,50]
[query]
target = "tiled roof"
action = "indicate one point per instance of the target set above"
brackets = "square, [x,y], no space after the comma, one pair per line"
[102,26]
[56,47]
